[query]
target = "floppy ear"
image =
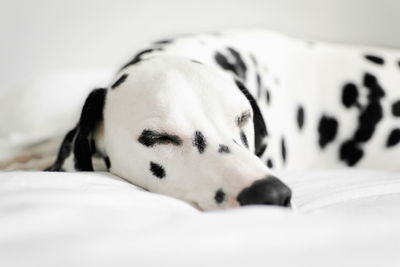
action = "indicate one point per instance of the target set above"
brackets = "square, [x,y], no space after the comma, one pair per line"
[260,129]
[80,141]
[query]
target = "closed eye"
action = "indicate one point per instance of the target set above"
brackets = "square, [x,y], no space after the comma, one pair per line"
[150,138]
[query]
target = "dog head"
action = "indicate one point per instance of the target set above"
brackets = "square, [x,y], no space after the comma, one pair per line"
[180,128]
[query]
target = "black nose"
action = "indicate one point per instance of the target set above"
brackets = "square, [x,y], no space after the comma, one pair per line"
[267,191]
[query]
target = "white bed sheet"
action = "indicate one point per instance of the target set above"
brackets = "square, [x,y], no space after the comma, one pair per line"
[341,218]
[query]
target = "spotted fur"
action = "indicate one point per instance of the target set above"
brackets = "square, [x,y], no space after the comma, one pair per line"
[261,100]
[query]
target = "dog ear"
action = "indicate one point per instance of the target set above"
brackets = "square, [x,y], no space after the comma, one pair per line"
[81,140]
[260,129]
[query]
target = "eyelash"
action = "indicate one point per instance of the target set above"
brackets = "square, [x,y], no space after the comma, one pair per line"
[150,138]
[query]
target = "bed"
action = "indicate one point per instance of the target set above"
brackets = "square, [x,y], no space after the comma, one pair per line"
[339,218]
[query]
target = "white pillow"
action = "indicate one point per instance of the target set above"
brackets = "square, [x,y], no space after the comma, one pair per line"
[45,107]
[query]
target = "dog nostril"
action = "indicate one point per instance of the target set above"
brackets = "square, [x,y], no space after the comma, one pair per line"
[286,202]
[267,191]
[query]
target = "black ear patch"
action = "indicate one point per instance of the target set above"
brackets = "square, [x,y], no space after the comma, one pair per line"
[64,152]
[157,170]
[91,116]
[150,138]
[80,140]
[119,81]
[107,162]
[260,129]
[199,141]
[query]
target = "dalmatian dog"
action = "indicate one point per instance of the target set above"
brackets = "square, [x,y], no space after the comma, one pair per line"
[208,118]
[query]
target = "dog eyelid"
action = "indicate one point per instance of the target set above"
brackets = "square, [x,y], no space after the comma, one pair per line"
[150,138]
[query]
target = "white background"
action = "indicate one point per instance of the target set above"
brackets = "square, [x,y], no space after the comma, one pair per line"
[45,35]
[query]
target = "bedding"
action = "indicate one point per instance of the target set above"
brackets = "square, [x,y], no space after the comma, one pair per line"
[339,218]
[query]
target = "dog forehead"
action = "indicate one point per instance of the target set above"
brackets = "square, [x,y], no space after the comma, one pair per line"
[168,85]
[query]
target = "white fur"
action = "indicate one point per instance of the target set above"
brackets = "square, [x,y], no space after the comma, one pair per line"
[167,92]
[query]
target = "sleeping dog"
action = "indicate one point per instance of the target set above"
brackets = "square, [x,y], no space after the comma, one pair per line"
[207,118]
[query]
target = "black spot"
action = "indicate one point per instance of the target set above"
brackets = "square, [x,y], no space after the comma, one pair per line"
[260,129]
[224,149]
[368,119]
[64,151]
[258,80]
[253,59]
[369,80]
[243,137]
[107,162]
[219,196]
[261,150]
[157,170]
[283,149]
[163,42]
[396,108]
[235,142]
[268,96]
[372,112]
[300,117]
[237,67]
[243,118]
[195,61]
[327,130]
[375,90]
[350,152]
[150,138]
[349,95]
[270,164]
[119,81]
[91,116]
[138,57]
[394,138]
[375,59]
[199,141]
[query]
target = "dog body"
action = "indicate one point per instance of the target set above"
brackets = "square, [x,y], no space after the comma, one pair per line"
[206,118]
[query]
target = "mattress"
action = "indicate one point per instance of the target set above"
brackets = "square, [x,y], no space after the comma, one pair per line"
[339,218]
